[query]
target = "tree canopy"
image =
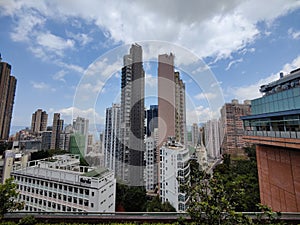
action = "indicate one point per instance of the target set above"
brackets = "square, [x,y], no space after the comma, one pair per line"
[8,196]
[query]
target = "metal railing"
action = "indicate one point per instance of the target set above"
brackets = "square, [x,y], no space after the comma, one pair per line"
[277,134]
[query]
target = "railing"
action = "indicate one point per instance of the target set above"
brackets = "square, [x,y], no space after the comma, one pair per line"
[277,134]
[161,217]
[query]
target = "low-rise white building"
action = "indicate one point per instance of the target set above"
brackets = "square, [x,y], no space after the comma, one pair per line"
[59,184]
[174,171]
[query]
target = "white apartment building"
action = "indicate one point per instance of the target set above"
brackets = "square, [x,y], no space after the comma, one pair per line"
[150,172]
[112,138]
[59,184]
[212,139]
[174,170]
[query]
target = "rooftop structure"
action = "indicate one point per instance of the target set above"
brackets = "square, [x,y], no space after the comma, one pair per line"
[59,184]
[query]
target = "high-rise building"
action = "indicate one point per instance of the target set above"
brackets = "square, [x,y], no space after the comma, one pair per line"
[39,121]
[152,119]
[81,125]
[212,138]
[232,128]
[132,117]
[195,135]
[274,127]
[175,171]
[171,101]
[81,128]
[57,128]
[112,137]
[151,168]
[7,95]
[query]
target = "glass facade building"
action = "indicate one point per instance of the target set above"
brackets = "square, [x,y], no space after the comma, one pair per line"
[277,113]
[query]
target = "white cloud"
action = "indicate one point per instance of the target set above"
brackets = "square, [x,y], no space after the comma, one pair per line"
[205,96]
[200,114]
[214,28]
[291,66]
[294,34]
[60,75]
[234,62]
[42,86]
[23,30]
[150,80]
[82,38]
[54,43]
[69,113]
[252,91]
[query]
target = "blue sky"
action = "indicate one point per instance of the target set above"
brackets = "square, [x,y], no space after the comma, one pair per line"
[51,45]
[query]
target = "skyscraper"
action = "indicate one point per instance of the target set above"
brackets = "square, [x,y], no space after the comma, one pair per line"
[7,94]
[171,101]
[232,128]
[57,128]
[39,121]
[152,119]
[195,135]
[111,137]
[132,117]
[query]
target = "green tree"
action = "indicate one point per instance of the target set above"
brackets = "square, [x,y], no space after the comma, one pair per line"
[131,198]
[210,204]
[8,195]
[155,205]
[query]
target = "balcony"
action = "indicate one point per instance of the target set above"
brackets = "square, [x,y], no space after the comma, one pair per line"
[287,139]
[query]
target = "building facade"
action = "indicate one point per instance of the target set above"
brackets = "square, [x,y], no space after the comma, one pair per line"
[151,173]
[39,121]
[7,95]
[112,137]
[232,128]
[174,170]
[57,128]
[195,135]
[274,126]
[152,119]
[61,185]
[132,117]
[171,101]
[212,139]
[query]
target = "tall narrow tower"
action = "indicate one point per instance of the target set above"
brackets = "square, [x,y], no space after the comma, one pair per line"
[57,128]
[7,95]
[111,137]
[171,101]
[132,117]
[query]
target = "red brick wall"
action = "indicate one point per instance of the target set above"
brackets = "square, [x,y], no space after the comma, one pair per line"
[279,177]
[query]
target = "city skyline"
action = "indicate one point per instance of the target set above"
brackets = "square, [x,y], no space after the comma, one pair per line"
[243,47]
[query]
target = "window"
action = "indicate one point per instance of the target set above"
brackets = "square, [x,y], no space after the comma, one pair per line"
[92,205]
[93,193]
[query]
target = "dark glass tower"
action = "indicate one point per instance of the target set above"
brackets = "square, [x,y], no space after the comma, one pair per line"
[132,117]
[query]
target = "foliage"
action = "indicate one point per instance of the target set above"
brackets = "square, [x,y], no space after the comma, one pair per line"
[8,195]
[132,198]
[4,145]
[240,178]
[268,216]
[210,204]
[155,205]
[46,154]
[27,220]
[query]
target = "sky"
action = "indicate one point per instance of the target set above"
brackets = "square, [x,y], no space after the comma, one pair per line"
[67,54]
